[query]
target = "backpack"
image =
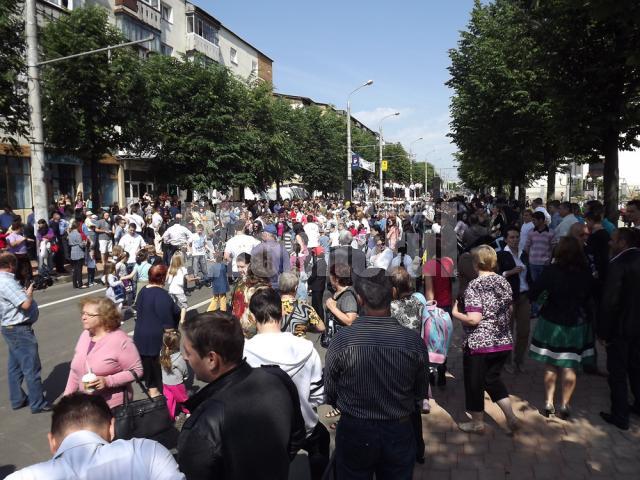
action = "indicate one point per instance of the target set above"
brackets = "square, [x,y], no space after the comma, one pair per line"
[437,330]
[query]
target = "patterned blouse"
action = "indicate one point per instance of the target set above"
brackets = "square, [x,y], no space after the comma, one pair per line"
[408,312]
[491,296]
[297,315]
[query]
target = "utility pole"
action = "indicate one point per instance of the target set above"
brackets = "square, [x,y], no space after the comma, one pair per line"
[38,187]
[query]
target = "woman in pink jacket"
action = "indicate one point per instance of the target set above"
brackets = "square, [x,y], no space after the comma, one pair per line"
[104,353]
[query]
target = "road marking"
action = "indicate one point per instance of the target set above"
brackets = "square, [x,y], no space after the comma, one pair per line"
[72,298]
[198,305]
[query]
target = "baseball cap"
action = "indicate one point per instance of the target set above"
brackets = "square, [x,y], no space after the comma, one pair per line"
[271,228]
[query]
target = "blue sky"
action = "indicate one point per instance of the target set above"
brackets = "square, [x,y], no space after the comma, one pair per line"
[324,50]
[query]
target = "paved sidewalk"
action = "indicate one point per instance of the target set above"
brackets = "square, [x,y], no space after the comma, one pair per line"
[584,447]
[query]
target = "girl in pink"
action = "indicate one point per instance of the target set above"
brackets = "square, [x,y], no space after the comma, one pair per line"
[174,372]
[105,355]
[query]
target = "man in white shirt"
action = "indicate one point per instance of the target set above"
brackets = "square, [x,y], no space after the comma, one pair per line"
[568,219]
[383,255]
[537,207]
[156,223]
[527,226]
[313,232]
[133,217]
[132,243]
[334,234]
[199,249]
[82,428]
[175,237]
[239,243]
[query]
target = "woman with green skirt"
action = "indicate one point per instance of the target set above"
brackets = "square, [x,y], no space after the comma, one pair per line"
[563,338]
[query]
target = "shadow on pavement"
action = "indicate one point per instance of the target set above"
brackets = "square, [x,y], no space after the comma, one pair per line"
[56,381]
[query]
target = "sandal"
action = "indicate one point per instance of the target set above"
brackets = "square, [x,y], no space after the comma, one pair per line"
[333,413]
[333,426]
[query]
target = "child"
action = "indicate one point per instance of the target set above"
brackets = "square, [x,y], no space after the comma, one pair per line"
[115,288]
[219,284]
[91,267]
[174,372]
[176,280]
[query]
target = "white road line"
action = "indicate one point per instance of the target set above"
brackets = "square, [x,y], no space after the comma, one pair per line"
[72,298]
[198,305]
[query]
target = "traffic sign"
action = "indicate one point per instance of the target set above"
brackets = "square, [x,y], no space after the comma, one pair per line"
[385,165]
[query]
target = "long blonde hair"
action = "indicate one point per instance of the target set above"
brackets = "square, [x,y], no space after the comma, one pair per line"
[177,262]
[170,345]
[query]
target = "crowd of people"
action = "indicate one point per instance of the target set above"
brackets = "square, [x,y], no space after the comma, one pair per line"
[379,282]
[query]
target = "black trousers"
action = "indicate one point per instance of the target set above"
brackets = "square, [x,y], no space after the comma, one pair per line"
[316,302]
[317,447]
[482,372]
[23,273]
[623,364]
[77,272]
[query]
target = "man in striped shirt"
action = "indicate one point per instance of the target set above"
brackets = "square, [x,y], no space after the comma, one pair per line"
[376,374]
[539,245]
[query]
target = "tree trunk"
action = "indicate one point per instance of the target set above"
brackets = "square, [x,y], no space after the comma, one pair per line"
[551,183]
[278,198]
[512,190]
[500,189]
[611,176]
[522,195]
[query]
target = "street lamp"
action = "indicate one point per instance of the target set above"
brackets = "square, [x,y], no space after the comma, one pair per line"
[411,166]
[348,189]
[380,144]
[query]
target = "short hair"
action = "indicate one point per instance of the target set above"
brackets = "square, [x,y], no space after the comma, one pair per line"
[402,282]
[634,203]
[537,201]
[244,258]
[132,225]
[593,215]
[630,236]
[266,305]
[512,228]
[309,218]
[473,219]
[288,282]
[345,238]
[374,288]
[110,315]
[570,254]
[538,216]
[485,258]
[16,225]
[158,274]
[554,203]
[566,205]
[8,261]
[342,273]
[79,410]
[218,332]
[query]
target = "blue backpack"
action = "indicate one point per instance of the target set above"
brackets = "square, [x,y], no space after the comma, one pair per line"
[437,330]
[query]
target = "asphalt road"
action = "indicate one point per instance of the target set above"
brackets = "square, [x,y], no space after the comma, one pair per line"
[23,436]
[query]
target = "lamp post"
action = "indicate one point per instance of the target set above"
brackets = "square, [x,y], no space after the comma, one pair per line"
[348,186]
[380,148]
[411,165]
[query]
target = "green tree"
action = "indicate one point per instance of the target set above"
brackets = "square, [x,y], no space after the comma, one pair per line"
[85,100]
[13,102]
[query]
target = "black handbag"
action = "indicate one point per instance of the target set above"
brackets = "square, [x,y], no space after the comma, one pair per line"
[145,418]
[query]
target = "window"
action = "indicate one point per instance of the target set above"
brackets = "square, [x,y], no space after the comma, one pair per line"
[166,49]
[233,55]
[153,3]
[167,13]
[15,182]
[254,66]
[190,24]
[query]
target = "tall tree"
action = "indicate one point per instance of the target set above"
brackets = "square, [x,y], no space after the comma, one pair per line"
[13,102]
[85,100]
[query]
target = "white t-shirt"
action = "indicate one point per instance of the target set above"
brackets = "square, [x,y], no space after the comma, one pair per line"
[239,244]
[132,245]
[176,283]
[198,245]
[313,234]
[137,219]
[335,238]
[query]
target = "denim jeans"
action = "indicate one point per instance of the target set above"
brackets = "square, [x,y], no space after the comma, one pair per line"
[24,364]
[365,447]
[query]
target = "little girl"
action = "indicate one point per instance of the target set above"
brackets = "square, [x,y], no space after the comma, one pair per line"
[91,267]
[176,279]
[115,288]
[174,372]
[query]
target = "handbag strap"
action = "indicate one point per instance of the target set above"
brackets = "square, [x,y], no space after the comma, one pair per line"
[143,387]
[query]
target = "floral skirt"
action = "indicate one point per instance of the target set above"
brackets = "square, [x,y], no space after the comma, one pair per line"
[562,345]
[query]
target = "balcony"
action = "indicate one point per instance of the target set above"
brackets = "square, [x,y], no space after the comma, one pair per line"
[198,44]
[142,11]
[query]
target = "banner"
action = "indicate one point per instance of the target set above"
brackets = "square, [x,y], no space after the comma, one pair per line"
[358,162]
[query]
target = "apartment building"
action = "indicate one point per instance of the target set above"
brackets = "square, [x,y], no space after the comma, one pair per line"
[179,29]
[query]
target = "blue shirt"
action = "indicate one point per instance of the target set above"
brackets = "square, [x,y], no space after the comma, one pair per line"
[6,219]
[218,275]
[85,454]
[11,297]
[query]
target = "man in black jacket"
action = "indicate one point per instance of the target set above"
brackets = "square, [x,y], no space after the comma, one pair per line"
[246,423]
[513,264]
[619,325]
